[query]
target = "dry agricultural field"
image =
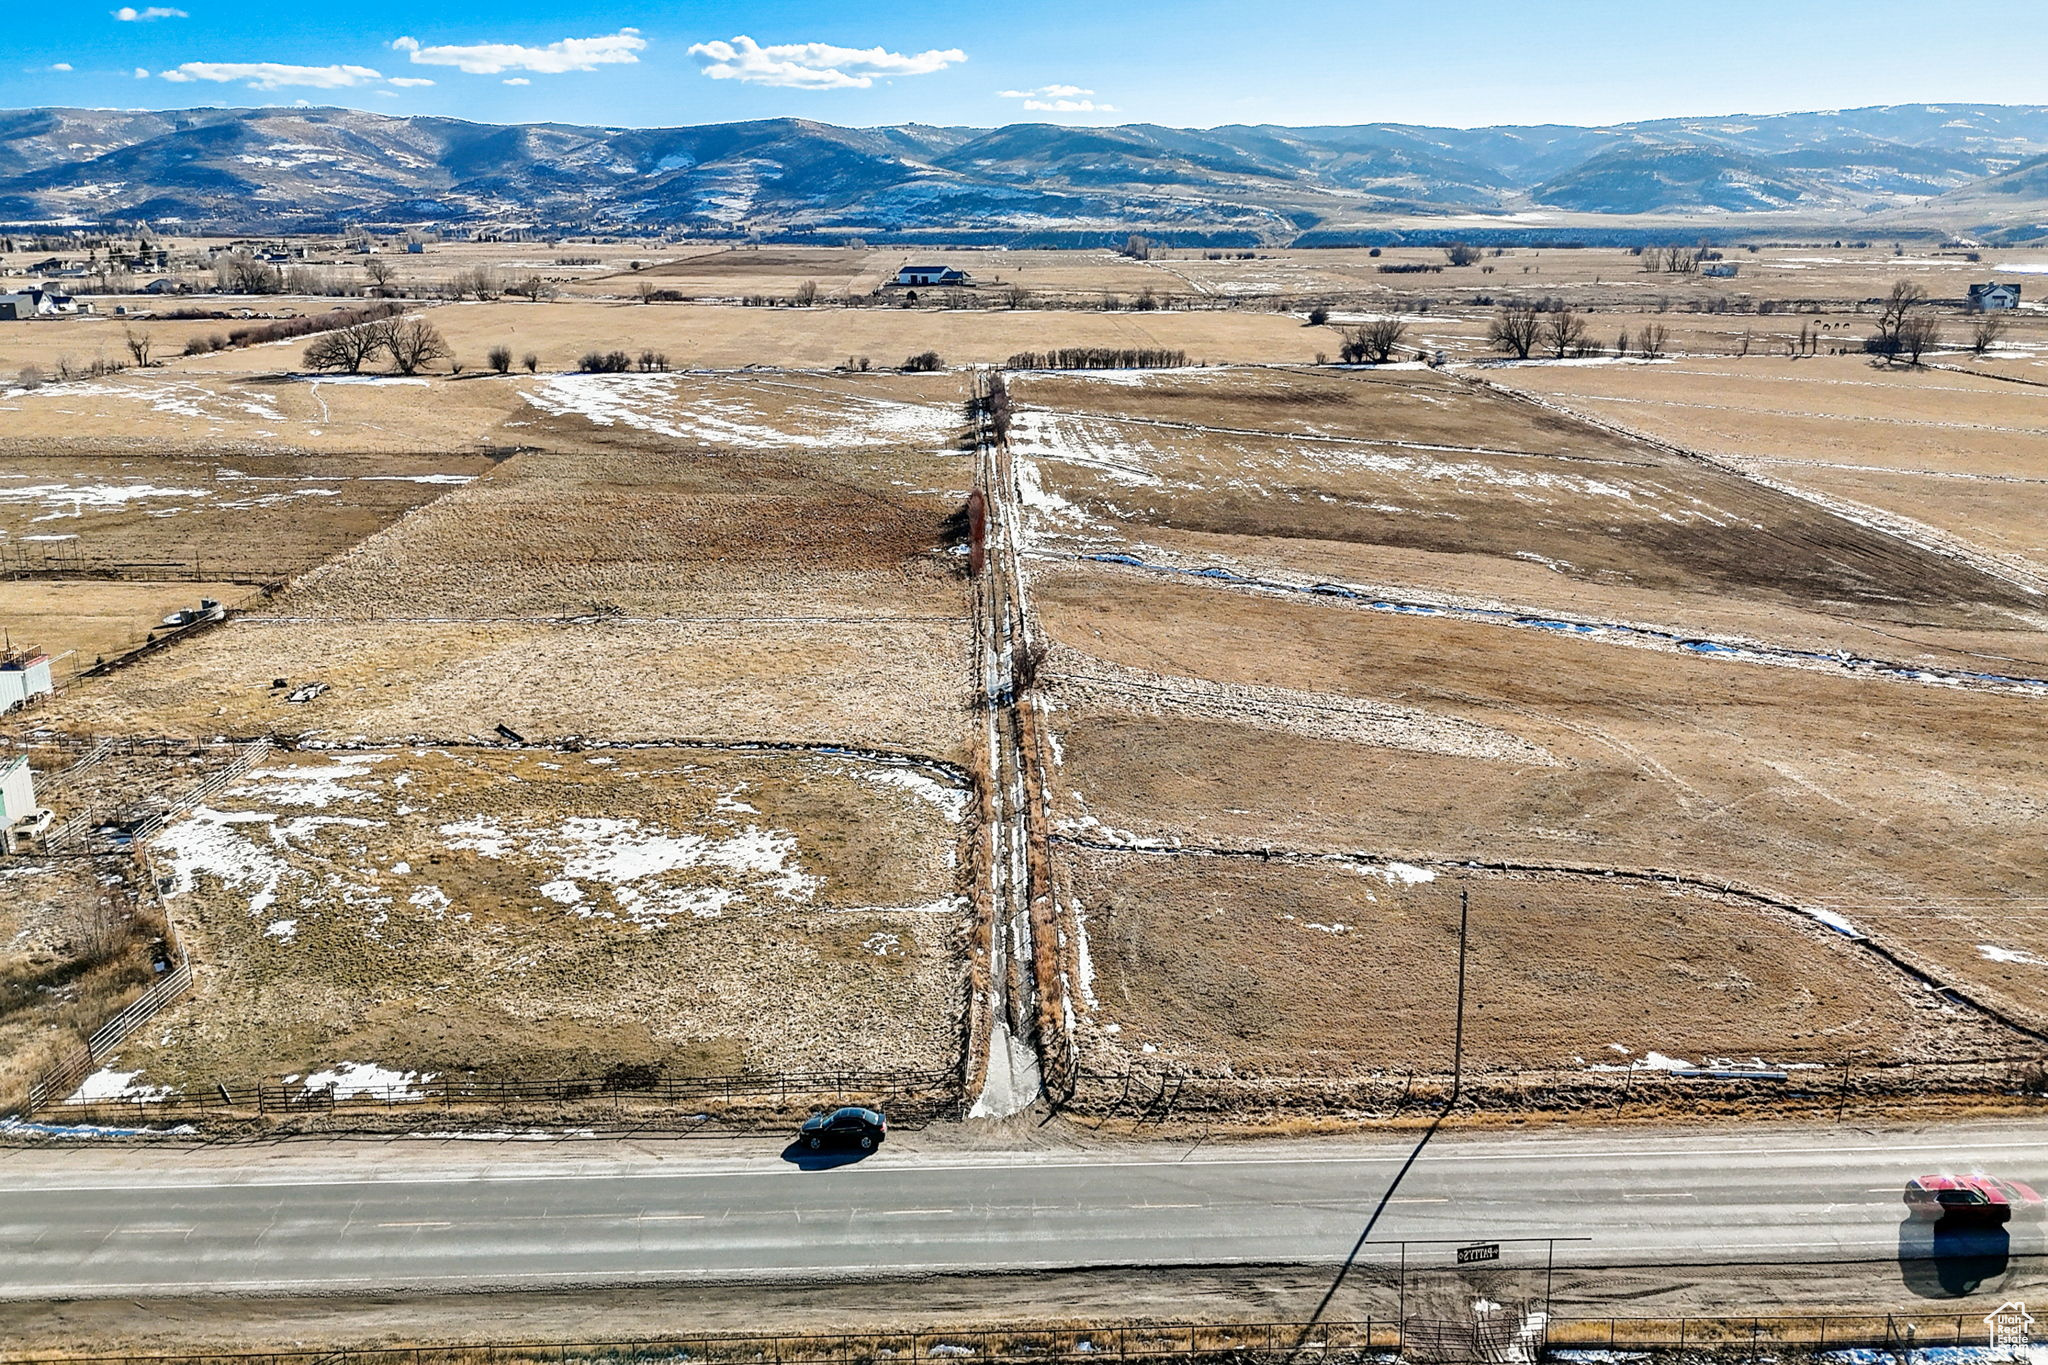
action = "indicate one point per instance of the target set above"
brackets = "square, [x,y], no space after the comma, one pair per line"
[648,720]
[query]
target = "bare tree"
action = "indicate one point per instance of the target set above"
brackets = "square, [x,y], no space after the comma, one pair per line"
[1893,312]
[1986,330]
[1462,253]
[479,280]
[1372,342]
[1650,340]
[381,273]
[139,345]
[1564,332]
[807,294]
[500,359]
[1515,328]
[349,348]
[238,272]
[1916,334]
[412,342]
[535,288]
[531,362]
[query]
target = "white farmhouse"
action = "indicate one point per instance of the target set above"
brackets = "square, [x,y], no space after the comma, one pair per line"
[1986,298]
[43,301]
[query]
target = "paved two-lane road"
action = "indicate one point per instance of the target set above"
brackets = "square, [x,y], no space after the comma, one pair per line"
[416,1216]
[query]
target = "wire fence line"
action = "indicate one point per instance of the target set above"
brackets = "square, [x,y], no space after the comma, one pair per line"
[916,1094]
[1513,1337]
[1831,1085]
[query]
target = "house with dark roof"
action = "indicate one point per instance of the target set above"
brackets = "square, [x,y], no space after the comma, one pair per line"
[1985,298]
[922,275]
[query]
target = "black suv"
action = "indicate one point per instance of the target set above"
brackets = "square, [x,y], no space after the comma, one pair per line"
[851,1126]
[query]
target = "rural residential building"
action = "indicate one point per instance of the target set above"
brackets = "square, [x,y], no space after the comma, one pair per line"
[1720,270]
[24,675]
[169,284]
[1988,297]
[921,275]
[40,302]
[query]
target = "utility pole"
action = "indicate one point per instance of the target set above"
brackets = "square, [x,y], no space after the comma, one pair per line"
[1458,1035]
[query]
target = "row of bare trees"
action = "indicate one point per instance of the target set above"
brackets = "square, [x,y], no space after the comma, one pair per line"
[411,344]
[1521,329]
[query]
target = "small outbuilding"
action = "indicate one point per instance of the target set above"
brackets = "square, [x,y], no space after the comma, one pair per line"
[22,821]
[1720,270]
[24,676]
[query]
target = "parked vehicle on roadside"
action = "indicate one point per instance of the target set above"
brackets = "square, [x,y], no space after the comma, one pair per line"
[848,1127]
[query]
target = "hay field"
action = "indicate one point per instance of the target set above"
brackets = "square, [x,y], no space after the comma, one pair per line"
[1910,811]
[723,337]
[1308,971]
[255,403]
[673,495]
[230,514]
[895,685]
[1961,453]
[427,910]
[1413,481]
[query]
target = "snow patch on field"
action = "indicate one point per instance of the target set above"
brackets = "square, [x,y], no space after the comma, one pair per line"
[949,799]
[75,500]
[1991,952]
[635,863]
[353,1080]
[318,785]
[107,1086]
[662,404]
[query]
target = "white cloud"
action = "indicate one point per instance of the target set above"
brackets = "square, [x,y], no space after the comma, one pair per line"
[518,80]
[141,73]
[276,75]
[1044,92]
[494,59]
[1058,99]
[60,66]
[815,66]
[410,82]
[128,14]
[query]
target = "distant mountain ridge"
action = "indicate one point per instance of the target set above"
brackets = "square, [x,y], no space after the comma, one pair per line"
[1976,165]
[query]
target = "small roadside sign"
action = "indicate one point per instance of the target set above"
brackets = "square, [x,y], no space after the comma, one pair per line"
[1479,1251]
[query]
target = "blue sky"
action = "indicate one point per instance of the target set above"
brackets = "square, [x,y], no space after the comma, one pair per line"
[1188,62]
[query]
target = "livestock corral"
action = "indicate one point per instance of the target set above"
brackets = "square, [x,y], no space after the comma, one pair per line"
[751,709]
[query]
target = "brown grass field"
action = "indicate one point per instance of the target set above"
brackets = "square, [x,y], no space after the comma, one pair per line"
[80,621]
[428,909]
[761,547]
